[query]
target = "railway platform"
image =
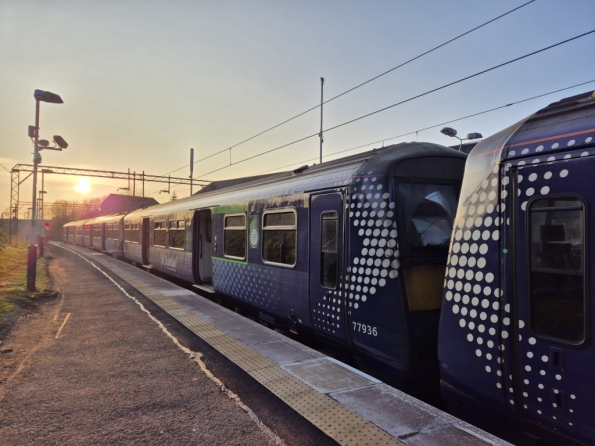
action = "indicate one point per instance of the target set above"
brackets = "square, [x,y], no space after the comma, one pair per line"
[343,404]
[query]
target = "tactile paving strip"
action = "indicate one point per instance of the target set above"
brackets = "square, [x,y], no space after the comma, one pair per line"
[326,414]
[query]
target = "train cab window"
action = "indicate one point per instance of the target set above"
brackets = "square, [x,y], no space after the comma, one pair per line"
[556,238]
[159,233]
[177,234]
[279,237]
[329,251]
[234,236]
[428,215]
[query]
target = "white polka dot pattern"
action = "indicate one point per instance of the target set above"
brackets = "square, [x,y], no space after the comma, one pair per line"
[472,282]
[374,254]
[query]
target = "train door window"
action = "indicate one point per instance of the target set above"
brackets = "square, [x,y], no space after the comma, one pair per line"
[127,236]
[87,231]
[135,232]
[208,230]
[234,237]
[279,237]
[159,233]
[329,249]
[177,234]
[97,231]
[557,301]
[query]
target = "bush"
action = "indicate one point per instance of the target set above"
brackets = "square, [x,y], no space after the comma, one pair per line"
[3,238]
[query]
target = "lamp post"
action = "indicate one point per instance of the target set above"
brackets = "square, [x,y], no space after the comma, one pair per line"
[40,96]
[448,131]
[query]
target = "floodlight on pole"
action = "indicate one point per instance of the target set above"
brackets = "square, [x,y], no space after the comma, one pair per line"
[52,98]
[449,131]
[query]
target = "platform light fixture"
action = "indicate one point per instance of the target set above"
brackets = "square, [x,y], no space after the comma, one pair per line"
[51,98]
[449,131]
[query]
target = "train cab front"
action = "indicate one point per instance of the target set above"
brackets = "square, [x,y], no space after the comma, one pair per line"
[424,182]
[427,190]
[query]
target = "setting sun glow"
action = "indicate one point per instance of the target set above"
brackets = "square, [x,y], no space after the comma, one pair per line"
[83,186]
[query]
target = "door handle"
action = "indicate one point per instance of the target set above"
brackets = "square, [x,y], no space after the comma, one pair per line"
[556,398]
[557,358]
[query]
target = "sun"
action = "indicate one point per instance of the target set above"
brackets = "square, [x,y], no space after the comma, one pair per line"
[83,186]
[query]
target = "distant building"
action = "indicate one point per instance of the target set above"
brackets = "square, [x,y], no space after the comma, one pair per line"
[116,204]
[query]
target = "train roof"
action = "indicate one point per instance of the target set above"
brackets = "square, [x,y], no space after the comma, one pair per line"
[566,124]
[75,223]
[335,173]
[105,219]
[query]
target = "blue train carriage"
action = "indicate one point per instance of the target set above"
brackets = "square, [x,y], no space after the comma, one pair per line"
[353,251]
[158,238]
[106,233]
[68,232]
[73,232]
[516,327]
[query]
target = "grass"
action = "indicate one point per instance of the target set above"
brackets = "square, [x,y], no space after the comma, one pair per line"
[13,278]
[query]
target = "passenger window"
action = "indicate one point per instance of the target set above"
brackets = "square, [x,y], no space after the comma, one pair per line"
[557,268]
[329,251]
[234,236]
[159,233]
[177,234]
[279,237]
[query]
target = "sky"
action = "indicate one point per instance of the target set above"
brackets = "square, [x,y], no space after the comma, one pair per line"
[144,81]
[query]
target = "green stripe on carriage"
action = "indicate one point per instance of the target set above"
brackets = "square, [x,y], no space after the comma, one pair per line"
[223,259]
[230,208]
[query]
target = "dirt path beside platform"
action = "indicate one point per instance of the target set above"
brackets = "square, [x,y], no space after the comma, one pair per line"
[91,368]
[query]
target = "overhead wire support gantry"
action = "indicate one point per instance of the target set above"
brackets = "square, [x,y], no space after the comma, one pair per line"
[56,170]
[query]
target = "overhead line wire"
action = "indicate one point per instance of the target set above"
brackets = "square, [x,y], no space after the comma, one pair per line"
[432,126]
[411,132]
[360,85]
[461,80]
[406,100]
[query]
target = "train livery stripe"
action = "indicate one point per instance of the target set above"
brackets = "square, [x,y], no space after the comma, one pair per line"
[535,141]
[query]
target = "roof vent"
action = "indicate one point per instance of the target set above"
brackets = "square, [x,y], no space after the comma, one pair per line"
[301,169]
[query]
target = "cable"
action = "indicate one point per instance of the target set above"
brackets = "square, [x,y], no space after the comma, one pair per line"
[461,80]
[360,85]
[403,134]
[406,100]
[431,127]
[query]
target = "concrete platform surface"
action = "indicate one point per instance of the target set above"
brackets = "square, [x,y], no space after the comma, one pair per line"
[346,404]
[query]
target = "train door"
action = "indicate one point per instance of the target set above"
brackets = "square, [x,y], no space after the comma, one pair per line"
[146,232]
[327,306]
[202,249]
[553,316]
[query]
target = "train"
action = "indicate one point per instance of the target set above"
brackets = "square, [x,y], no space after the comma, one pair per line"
[351,251]
[430,268]
[515,336]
